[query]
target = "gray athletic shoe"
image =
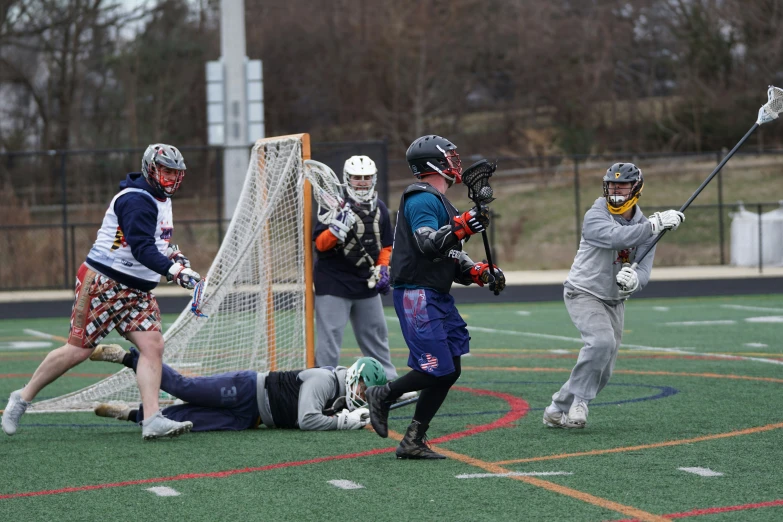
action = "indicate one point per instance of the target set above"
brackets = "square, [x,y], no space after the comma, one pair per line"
[554,418]
[158,427]
[577,415]
[108,353]
[13,412]
[113,411]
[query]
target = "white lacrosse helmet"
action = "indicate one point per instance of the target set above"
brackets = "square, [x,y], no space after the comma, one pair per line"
[361,189]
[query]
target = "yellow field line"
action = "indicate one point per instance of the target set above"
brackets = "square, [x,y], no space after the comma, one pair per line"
[747,431]
[549,486]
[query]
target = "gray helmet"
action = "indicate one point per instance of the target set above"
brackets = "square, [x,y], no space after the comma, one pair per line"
[165,156]
[623,173]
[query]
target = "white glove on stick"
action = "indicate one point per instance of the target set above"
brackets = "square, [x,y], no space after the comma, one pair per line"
[342,223]
[183,276]
[627,280]
[666,220]
[353,420]
[175,254]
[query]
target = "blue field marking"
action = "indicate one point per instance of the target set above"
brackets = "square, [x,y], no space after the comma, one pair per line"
[663,392]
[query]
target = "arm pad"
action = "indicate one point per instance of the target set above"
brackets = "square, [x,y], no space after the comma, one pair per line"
[436,244]
[462,269]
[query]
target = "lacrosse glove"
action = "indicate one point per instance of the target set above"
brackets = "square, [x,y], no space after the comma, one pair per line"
[628,281]
[342,223]
[666,220]
[353,420]
[183,276]
[175,254]
[471,222]
[383,279]
[481,275]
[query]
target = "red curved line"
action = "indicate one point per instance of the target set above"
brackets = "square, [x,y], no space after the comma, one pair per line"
[519,408]
[715,510]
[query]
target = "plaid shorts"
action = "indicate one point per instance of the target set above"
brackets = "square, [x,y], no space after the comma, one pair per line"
[102,304]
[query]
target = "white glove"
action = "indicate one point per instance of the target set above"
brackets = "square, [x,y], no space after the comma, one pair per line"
[175,254]
[342,223]
[666,220]
[183,276]
[353,420]
[627,280]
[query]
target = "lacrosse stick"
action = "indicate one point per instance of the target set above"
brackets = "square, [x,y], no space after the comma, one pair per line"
[476,178]
[768,112]
[327,190]
[198,296]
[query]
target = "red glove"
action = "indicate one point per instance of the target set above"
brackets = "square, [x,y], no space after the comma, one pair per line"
[470,222]
[480,274]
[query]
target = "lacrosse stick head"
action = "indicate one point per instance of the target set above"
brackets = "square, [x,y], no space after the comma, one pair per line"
[774,106]
[327,189]
[198,298]
[476,178]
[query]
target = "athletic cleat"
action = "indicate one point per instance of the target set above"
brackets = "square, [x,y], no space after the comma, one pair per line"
[577,415]
[113,411]
[379,408]
[158,427]
[554,418]
[13,412]
[414,444]
[108,353]
[407,396]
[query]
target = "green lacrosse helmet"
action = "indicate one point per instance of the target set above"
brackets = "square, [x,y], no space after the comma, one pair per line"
[367,370]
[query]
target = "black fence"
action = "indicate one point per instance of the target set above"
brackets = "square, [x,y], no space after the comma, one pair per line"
[54,202]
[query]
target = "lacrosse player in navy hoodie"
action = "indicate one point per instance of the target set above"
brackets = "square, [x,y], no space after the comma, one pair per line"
[114,288]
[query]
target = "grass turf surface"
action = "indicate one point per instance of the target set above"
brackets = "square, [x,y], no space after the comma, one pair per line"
[694,387]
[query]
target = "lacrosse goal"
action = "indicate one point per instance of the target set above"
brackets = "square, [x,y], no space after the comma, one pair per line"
[258,296]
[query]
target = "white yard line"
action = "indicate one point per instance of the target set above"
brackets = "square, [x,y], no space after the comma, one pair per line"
[163,491]
[42,335]
[701,323]
[702,472]
[661,308]
[751,308]
[24,345]
[514,474]
[522,312]
[345,484]
[765,319]
[756,345]
[683,351]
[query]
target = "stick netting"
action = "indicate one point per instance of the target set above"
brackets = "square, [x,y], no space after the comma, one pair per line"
[254,299]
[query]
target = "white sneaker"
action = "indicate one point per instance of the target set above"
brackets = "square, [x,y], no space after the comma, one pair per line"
[407,396]
[554,418]
[113,411]
[158,426]
[13,412]
[108,353]
[577,415]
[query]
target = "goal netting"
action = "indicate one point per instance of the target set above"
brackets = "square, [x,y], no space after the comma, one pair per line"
[259,313]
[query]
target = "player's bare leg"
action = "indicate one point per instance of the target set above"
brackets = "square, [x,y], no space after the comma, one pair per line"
[56,363]
[148,374]
[149,368]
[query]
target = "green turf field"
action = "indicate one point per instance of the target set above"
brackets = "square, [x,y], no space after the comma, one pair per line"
[696,385]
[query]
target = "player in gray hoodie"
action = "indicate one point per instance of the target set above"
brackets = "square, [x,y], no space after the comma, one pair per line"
[601,279]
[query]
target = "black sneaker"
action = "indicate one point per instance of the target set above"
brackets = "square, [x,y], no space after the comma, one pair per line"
[379,408]
[414,444]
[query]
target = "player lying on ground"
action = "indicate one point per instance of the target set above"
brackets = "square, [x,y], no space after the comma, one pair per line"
[317,399]
[342,270]
[427,258]
[600,281]
[114,288]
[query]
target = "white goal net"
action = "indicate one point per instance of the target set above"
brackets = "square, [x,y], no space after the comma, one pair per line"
[255,296]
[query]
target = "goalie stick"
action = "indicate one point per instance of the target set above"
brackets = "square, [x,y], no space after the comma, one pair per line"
[768,112]
[476,178]
[327,191]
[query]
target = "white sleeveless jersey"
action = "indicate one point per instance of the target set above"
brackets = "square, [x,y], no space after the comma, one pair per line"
[111,249]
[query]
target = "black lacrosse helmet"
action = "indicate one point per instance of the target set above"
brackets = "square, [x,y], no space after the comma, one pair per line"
[433,154]
[623,173]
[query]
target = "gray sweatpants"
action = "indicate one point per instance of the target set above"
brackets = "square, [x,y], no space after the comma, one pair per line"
[369,327]
[601,326]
